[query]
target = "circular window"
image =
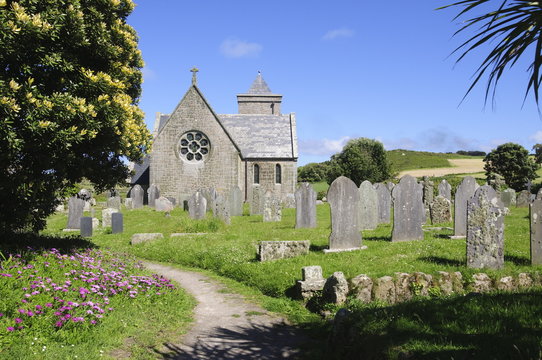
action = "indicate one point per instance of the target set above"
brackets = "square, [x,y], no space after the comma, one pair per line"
[194,146]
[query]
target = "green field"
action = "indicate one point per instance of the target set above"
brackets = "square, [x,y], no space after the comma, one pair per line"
[412,160]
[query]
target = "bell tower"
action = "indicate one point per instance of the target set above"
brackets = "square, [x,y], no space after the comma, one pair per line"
[259,99]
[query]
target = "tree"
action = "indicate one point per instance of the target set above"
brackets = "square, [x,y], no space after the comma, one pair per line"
[69,88]
[514,26]
[537,153]
[313,172]
[513,163]
[361,159]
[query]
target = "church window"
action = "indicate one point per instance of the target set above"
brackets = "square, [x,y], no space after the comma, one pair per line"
[278,174]
[194,146]
[256,174]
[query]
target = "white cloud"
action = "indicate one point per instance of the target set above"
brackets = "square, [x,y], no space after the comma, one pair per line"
[236,48]
[338,33]
[323,146]
[537,136]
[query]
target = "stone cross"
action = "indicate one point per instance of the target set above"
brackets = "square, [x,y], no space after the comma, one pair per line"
[368,206]
[384,203]
[194,71]
[464,192]
[408,210]
[305,206]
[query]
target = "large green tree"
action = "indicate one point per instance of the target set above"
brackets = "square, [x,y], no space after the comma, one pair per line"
[361,159]
[513,163]
[70,82]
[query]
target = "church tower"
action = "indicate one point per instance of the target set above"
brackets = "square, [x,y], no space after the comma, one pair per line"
[259,99]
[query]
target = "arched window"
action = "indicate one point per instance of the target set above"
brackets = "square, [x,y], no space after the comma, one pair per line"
[278,174]
[256,174]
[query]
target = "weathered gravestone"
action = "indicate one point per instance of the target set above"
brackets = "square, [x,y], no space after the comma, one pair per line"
[485,229]
[390,186]
[368,206]
[428,190]
[117,223]
[136,195]
[153,193]
[441,210]
[210,195]
[221,209]
[256,203]
[86,226]
[86,195]
[75,212]
[274,250]
[343,198]
[305,206]
[235,200]
[464,192]
[523,199]
[272,208]
[384,203]
[408,210]
[508,197]
[114,202]
[535,211]
[106,216]
[288,202]
[163,204]
[445,190]
[197,206]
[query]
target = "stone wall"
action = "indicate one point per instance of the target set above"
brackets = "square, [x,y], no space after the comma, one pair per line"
[267,177]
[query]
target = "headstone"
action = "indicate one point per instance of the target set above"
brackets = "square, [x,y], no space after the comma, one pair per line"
[312,283]
[523,199]
[153,193]
[497,182]
[210,195]
[274,250]
[163,204]
[535,211]
[128,203]
[197,206]
[272,208]
[106,216]
[343,198]
[368,206]
[485,230]
[95,223]
[117,223]
[236,201]
[384,203]
[86,226]
[539,194]
[75,212]
[114,202]
[508,197]
[445,190]
[441,210]
[256,203]
[335,288]
[428,192]
[288,202]
[464,192]
[137,196]
[390,186]
[172,200]
[408,210]
[222,209]
[144,237]
[305,206]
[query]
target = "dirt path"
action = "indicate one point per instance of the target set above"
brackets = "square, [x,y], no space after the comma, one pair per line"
[460,166]
[226,326]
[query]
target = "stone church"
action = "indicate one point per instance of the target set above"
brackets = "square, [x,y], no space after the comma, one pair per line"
[196,148]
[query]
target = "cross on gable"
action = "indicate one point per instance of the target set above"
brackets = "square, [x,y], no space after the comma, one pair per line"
[194,71]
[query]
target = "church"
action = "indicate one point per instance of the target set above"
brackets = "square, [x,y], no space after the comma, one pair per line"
[195,148]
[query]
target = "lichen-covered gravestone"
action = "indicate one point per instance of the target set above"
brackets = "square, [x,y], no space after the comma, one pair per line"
[464,192]
[272,208]
[210,195]
[441,210]
[445,189]
[305,206]
[235,200]
[343,198]
[153,193]
[535,210]
[368,206]
[485,230]
[106,216]
[222,209]
[256,203]
[75,212]
[508,197]
[197,206]
[523,199]
[384,203]
[136,195]
[408,210]
[163,204]
[428,186]
[114,202]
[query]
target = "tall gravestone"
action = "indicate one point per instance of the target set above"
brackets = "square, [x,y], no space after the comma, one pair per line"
[445,190]
[305,206]
[197,206]
[464,192]
[523,198]
[86,226]
[508,197]
[153,193]
[75,212]
[441,210]
[408,210]
[210,195]
[256,203]
[428,192]
[485,230]
[384,203]
[535,212]
[222,209]
[272,207]
[114,202]
[368,206]
[390,186]
[343,198]
[137,195]
[117,223]
[235,200]
[107,215]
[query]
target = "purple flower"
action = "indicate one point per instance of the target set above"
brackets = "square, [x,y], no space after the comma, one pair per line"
[10,328]
[18,320]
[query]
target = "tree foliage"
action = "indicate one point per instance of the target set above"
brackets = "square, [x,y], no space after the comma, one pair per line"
[361,159]
[70,82]
[512,162]
[313,172]
[537,153]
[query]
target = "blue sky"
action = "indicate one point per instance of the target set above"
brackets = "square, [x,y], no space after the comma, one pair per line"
[376,69]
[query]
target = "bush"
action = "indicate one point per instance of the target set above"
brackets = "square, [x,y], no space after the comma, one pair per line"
[512,162]
[313,172]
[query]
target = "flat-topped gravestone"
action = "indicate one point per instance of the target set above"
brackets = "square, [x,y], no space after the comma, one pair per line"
[368,206]
[523,199]
[136,195]
[274,250]
[197,206]
[535,212]
[441,210]
[343,198]
[222,209]
[508,197]
[384,203]
[305,206]
[106,216]
[144,237]
[485,230]
[236,201]
[445,190]
[408,210]
[75,212]
[163,204]
[464,192]
[272,208]
[114,202]
[153,193]
[86,226]
[117,223]
[256,203]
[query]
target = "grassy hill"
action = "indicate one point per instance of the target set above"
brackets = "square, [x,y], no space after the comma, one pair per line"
[410,160]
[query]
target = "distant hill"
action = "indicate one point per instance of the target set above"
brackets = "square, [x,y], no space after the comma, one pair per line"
[411,160]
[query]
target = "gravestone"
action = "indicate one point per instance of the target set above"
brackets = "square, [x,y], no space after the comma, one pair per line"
[236,201]
[136,195]
[384,203]
[368,206]
[106,216]
[153,193]
[535,211]
[128,203]
[390,186]
[197,206]
[75,212]
[508,197]
[117,223]
[288,202]
[272,208]
[445,190]
[428,189]
[210,195]
[86,226]
[523,199]
[305,206]
[464,192]
[441,210]
[163,204]
[485,230]
[222,209]
[114,202]
[343,198]
[408,210]
[256,203]
[86,195]
[497,182]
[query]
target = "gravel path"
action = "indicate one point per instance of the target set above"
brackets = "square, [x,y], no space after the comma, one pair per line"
[226,326]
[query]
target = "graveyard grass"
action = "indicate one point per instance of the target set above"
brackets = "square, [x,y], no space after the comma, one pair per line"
[420,327]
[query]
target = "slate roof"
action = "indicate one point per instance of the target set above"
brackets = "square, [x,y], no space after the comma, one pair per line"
[259,86]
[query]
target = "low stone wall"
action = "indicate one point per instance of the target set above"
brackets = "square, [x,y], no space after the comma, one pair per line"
[274,250]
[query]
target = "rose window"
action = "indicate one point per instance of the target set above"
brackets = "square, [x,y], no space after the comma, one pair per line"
[194,146]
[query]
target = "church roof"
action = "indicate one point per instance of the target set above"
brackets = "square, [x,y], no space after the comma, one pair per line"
[259,86]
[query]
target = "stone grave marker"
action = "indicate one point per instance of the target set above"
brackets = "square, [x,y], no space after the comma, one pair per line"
[464,192]
[288,202]
[535,212]
[305,206]
[445,190]
[117,223]
[256,203]
[75,212]
[106,216]
[523,199]
[210,195]
[153,193]
[441,210]
[428,188]
[368,206]
[163,204]
[485,230]
[408,210]
[272,208]
[86,226]
[236,201]
[384,203]
[136,195]
[508,197]
[390,186]
[197,206]
[114,202]
[222,209]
